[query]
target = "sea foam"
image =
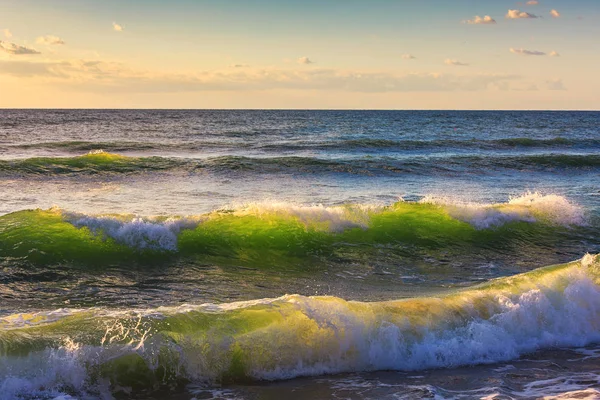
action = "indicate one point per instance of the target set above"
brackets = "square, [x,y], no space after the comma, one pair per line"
[530,207]
[136,232]
[162,233]
[295,336]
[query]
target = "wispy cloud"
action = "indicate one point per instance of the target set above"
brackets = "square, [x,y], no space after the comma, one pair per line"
[532,3]
[554,13]
[117,27]
[455,63]
[12,48]
[239,66]
[408,57]
[101,77]
[527,52]
[477,20]
[305,60]
[516,14]
[50,40]
[7,33]
[554,54]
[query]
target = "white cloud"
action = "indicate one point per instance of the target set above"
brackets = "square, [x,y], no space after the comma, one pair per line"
[477,20]
[50,40]
[239,66]
[117,27]
[455,63]
[15,49]
[7,33]
[527,52]
[554,13]
[408,57]
[516,14]
[305,60]
[554,54]
[532,3]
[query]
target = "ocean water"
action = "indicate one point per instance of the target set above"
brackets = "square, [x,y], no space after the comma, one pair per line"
[152,254]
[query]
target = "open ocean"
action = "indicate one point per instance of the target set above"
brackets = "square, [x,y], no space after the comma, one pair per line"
[153,254]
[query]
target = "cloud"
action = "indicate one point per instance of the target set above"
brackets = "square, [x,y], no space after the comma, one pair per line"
[117,27]
[532,3]
[516,14]
[304,60]
[15,49]
[455,63]
[103,77]
[477,20]
[555,84]
[554,54]
[527,52]
[7,33]
[26,69]
[554,13]
[50,40]
[239,66]
[408,57]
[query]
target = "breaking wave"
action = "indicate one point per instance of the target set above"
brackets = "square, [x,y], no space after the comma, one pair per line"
[93,351]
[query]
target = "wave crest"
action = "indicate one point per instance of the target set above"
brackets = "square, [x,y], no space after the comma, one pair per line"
[296,336]
[530,207]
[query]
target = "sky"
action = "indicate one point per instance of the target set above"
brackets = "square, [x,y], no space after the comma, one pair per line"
[315,54]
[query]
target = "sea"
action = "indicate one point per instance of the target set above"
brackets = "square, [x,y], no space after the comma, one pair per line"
[299,254]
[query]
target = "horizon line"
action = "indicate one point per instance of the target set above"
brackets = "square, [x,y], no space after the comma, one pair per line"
[295,109]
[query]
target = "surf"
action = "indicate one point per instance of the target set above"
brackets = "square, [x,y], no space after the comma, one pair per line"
[287,229]
[101,350]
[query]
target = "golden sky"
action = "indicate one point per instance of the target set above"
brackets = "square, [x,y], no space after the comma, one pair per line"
[378,54]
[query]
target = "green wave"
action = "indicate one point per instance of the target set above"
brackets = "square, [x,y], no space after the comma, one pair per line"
[99,162]
[297,336]
[92,163]
[274,234]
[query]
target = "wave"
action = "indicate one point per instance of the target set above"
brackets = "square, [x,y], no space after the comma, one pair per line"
[347,144]
[100,162]
[286,229]
[95,162]
[437,144]
[96,350]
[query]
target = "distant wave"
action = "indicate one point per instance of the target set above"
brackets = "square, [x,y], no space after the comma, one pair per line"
[97,351]
[99,162]
[437,144]
[340,144]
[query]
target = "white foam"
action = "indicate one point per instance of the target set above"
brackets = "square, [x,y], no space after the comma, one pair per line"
[530,207]
[305,336]
[48,374]
[155,233]
[327,335]
[136,232]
